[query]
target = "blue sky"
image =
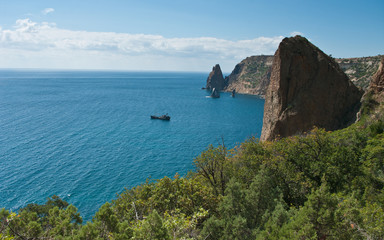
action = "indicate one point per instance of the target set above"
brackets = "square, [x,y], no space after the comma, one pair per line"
[180,35]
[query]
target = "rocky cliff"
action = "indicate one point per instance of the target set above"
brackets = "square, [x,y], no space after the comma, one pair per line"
[376,86]
[307,88]
[250,76]
[360,70]
[215,79]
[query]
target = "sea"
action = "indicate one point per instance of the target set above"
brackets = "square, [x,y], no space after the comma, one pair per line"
[87,135]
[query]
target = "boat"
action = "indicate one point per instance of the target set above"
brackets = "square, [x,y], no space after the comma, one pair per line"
[162,117]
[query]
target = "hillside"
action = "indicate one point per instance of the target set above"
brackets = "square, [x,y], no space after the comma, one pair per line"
[250,76]
[360,70]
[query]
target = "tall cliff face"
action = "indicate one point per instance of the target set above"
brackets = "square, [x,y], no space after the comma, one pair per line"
[307,88]
[250,76]
[215,79]
[377,84]
[376,87]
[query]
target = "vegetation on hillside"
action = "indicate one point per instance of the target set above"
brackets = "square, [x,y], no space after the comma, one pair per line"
[360,70]
[255,72]
[321,185]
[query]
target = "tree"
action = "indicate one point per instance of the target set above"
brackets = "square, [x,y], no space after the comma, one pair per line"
[319,219]
[242,211]
[151,228]
[211,165]
[55,219]
[232,223]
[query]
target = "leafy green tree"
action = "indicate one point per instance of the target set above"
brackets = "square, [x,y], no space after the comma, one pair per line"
[5,218]
[212,166]
[55,219]
[63,222]
[248,159]
[151,228]
[319,219]
[261,198]
[365,216]
[232,223]
[242,210]
[373,160]
[26,225]
[88,231]
[186,195]
[274,223]
[42,210]
[106,219]
[181,226]
[233,212]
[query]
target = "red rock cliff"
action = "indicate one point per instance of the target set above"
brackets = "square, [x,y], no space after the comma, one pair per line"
[377,84]
[307,88]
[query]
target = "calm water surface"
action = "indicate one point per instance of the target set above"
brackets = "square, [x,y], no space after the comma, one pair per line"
[86,135]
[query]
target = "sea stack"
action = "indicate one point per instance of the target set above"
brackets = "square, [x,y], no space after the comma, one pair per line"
[215,79]
[307,89]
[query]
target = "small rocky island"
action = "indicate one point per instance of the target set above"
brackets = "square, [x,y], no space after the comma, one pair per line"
[215,79]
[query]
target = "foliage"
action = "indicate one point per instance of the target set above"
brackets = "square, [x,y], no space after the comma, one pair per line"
[54,219]
[368,103]
[211,165]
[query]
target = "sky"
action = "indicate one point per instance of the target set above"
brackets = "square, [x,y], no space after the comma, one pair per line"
[179,35]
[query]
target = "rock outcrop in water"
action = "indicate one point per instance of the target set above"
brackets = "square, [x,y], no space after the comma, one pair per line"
[250,76]
[307,88]
[215,79]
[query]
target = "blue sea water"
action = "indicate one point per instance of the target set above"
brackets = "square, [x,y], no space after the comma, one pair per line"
[85,135]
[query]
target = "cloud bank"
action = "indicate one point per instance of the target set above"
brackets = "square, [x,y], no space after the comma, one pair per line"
[44,45]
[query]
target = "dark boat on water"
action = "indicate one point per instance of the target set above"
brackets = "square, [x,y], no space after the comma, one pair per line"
[162,117]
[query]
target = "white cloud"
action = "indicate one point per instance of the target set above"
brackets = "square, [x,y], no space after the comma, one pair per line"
[25,25]
[44,45]
[47,11]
